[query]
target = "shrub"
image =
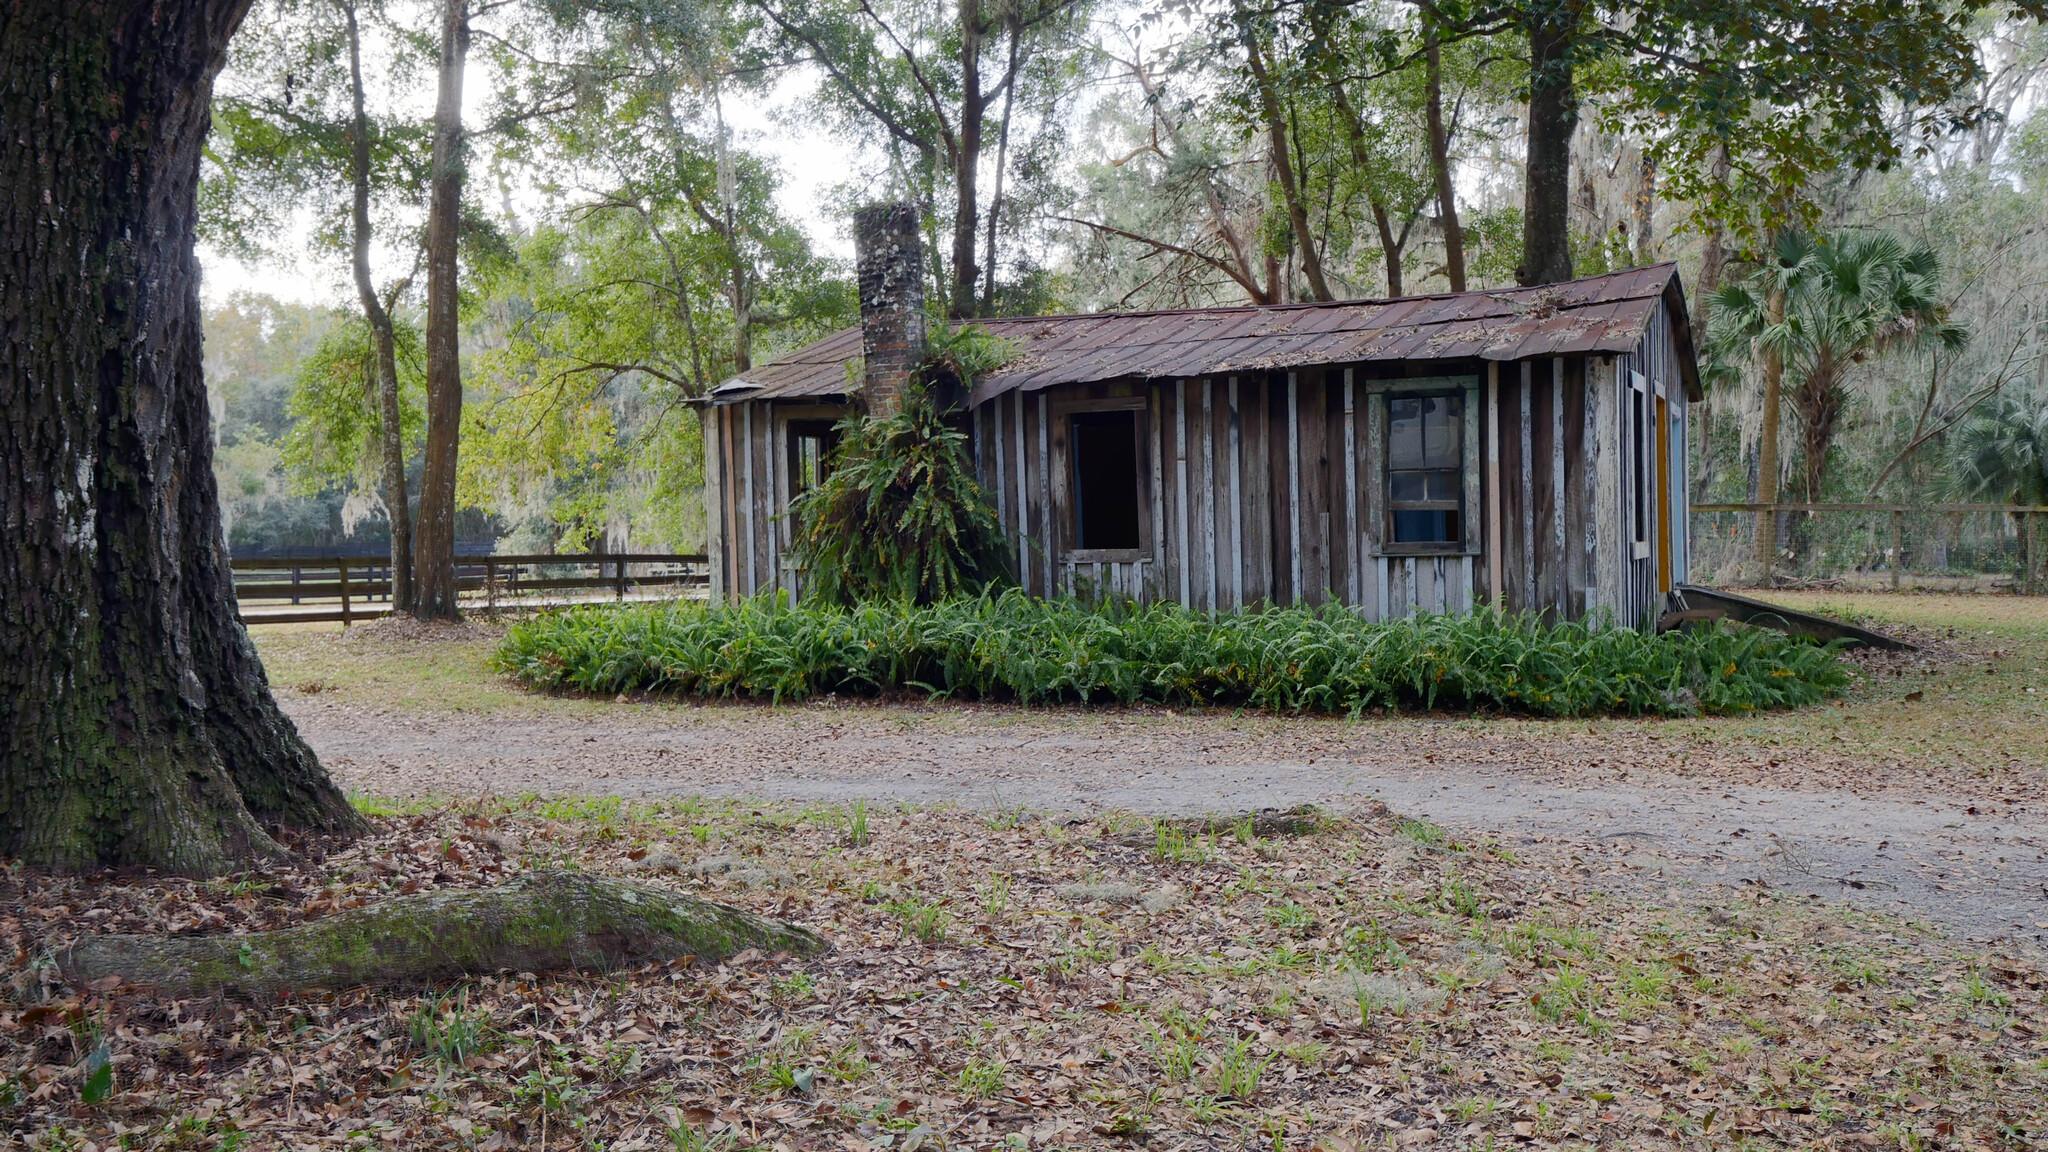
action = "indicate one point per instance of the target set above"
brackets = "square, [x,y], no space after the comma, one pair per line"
[1010,646]
[899,515]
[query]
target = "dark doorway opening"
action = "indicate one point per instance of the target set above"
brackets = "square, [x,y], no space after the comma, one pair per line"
[811,443]
[1105,451]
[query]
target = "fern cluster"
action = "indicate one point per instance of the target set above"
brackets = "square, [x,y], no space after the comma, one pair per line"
[899,515]
[1015,647]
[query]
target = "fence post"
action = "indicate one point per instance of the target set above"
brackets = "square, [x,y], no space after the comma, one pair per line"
[491,586]
[1898,546]
[342,567]
[295,583]
[622,580]
[2030,551]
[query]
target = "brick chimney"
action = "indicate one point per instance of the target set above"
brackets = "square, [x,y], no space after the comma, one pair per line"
[889,264]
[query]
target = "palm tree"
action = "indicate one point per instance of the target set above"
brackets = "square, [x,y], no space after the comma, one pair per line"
[1814,310]
[2002,457]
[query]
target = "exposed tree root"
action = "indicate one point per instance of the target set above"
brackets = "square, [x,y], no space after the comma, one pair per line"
[550,921]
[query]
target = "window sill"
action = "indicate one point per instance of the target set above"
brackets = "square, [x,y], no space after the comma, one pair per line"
[1105,556]
[1424,550]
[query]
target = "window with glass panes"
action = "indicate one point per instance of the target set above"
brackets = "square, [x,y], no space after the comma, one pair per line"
[1425,457]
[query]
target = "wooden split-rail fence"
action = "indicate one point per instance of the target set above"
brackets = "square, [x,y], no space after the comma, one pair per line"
[308,589]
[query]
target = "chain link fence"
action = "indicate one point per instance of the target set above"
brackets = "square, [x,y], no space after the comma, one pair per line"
[1878,547]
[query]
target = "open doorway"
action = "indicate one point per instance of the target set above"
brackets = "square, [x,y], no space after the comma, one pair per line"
[1104,447]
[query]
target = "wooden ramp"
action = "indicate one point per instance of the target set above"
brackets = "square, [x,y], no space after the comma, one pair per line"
[1690,603]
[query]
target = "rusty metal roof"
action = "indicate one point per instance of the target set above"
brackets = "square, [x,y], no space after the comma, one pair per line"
[1606,313]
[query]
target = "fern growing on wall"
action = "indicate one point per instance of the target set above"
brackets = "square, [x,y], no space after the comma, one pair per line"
[899,515]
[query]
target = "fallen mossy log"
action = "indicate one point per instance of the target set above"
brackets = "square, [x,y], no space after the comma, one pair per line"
[550,921]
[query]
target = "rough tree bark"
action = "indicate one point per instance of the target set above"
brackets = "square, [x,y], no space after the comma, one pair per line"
[434,588]
[1440,165]
[1553,116]
[546,922]
[1391,244]
[960,301]
[379,318]
[136,726]
[1283,164]
[1767,448]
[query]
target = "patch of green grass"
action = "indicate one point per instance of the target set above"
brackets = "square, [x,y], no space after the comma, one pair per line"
[1015,647]
[1424,833]
[1291,917]
[928,920]
[995,896]
[445,1028]
[1371,948]
[980,1079]
[1236,1073]
[1173,846]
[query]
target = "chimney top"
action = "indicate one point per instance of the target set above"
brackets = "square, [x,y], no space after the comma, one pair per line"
[889,267]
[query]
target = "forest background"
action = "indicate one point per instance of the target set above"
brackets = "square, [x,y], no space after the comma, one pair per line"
[625,243]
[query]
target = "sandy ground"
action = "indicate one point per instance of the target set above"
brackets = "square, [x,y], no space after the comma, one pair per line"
[1973,862]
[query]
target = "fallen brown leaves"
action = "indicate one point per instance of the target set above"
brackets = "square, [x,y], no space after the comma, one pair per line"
[1026,982]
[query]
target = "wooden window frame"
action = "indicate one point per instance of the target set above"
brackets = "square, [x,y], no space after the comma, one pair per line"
[1640,414]
[1380,394]
[1065,519]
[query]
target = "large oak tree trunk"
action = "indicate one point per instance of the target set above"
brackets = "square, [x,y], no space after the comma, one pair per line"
[390,434]
[1553,116]
[434,588]
[136,726]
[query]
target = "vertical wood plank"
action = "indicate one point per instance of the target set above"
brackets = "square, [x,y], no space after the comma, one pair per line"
[1525,517]
[1494,550]
[1158,492]
[1210,584]
[1560,564]
[1236,500]
[1045,490]
[712,421]
[773,480]
[738,497]
[1352,560]
[1294,489]
[999,479]
[1378,570]
[747,493]
[1312,414]
[1023,521]
[1181,519]
[1607,566]
[1266,526]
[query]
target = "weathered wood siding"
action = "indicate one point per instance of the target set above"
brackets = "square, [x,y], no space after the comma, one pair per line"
[1634,587]
[748,474]
[1270,488]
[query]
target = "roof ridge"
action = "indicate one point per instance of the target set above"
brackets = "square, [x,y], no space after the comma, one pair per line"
[1307,305]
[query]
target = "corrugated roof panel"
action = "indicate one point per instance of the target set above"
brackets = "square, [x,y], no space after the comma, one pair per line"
[1597,314]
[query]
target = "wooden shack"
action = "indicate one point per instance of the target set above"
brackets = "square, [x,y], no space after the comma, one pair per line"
[1522,447]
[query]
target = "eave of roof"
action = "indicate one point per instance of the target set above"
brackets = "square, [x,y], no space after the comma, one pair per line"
[1596,314]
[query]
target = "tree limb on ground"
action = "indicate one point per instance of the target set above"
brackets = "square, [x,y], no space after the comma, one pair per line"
[550,921]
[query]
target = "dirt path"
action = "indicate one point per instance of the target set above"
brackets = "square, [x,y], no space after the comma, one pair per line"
[1978,865]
